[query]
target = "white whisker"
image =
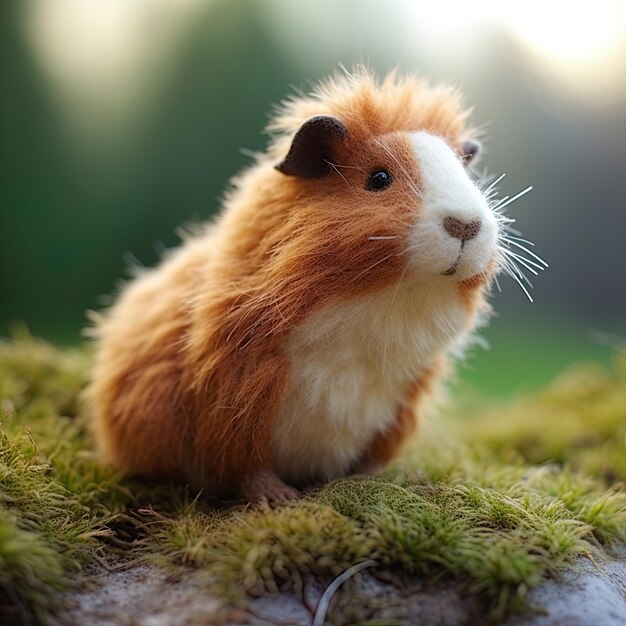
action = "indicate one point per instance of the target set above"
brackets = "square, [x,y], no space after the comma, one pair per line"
[519,282]
[410,249]
[372,266]
[523,258]
[527,251]
[523,261]
[495,206]
[505,221]
[511,271]
[494,183]
[334,167]
[508,237]
[495,278]
[500,205]
[382,237]
[512,262]
[395,291]
[402,169]
[518,272]
[349,167]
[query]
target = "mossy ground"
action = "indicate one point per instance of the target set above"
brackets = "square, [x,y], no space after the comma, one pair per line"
[494,498]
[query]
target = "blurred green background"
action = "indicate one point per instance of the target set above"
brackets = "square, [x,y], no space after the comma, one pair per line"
[122,119]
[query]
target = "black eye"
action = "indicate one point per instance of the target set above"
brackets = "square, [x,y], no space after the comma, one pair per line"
[379,180]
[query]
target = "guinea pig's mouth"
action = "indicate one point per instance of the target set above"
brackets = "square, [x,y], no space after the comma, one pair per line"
[452,269]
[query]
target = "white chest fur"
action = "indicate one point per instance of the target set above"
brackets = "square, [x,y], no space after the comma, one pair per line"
[351,368]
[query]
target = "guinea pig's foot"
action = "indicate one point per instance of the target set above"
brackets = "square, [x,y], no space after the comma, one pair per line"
[264,487]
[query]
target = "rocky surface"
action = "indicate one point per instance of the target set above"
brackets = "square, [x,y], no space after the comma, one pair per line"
[593,594]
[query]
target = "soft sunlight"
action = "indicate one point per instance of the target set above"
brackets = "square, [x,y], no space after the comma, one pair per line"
[582,47]
[104,58]
[579,50]
[101,57]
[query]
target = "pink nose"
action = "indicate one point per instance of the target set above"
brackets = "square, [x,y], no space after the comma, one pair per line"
[459,230]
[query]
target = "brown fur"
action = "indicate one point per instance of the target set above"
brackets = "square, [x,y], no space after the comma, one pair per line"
[190,363]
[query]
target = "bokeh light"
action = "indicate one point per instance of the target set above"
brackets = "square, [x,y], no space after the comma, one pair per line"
[125,119]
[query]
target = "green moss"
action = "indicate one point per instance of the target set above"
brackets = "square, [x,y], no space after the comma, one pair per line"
[579,420]
[495,499]
[46,533]
[52,492]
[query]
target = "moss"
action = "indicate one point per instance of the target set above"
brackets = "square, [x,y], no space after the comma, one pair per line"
[46,533]
[52,493]
[578,420]
[494,499]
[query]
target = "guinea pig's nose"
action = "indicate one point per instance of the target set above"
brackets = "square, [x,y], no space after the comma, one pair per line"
[459,230]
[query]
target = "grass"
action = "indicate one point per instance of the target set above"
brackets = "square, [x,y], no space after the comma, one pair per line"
[492,498]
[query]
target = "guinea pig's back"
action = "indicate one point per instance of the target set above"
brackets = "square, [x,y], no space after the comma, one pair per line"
[138,391]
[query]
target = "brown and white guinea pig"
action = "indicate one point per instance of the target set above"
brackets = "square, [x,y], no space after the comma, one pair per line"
[295,338]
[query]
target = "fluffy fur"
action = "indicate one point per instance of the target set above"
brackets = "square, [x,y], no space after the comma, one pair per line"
[296,337]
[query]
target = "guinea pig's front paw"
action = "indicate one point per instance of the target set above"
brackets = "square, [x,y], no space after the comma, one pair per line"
[264,487]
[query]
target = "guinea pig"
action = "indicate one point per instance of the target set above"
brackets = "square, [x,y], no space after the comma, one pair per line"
[294,339]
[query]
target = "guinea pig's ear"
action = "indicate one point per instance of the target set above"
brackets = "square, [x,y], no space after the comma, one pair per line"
[312,147]
[469,150]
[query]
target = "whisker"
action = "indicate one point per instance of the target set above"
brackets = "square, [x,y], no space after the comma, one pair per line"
[517,255]
[511,271]
[402,169]
[510,265]
[395,291]
[523,261]
[334,167]
[382,237]
[495,278]
[410,248]
[527,251]
[494,183]
[505,221]
[516,270]
[499,206]
[495,205]
[509,237]
[372,266]
[349,167]
[520,274]
[512,262]
[519,282]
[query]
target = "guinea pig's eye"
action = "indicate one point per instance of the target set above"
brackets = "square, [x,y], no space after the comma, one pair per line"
[379,180]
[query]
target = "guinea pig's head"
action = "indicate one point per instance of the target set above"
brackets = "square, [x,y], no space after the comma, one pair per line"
[369,185]
[409,188]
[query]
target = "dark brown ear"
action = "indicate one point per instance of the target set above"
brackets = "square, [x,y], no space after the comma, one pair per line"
[312,147]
